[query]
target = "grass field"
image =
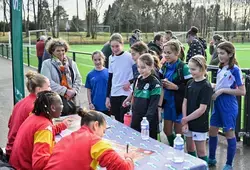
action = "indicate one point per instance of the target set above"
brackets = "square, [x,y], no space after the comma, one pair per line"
[85,64]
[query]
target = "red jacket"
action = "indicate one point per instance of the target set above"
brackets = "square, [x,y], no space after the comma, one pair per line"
[40,45]
[20,112]
[34,143]
[82,149]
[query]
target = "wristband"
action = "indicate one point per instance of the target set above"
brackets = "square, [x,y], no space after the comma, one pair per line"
[159,106]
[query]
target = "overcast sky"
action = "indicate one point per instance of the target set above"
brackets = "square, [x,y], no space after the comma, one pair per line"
[70,7]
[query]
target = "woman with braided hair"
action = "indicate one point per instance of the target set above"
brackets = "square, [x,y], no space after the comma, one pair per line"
[35,138]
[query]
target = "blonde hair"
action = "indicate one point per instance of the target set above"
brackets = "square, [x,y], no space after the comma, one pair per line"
[34,80]
[200,62]
[116,37]
[157,63]
[52,44]
[173,45]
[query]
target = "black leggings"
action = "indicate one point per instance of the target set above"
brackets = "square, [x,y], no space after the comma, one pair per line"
[116,107]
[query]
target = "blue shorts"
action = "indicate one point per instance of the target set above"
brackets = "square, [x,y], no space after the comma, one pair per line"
[225,112]
[170,114]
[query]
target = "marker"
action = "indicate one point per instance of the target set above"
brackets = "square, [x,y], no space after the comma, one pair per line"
[127,147]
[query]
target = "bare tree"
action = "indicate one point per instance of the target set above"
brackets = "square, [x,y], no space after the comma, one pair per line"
[246,10]
[34,15]
[58,19]
[5,15]
[95,16]
[77,16]
[28,19]
[53,19]
[88,7]
[217,10]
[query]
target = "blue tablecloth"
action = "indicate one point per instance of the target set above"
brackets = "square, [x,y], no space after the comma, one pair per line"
[160,160]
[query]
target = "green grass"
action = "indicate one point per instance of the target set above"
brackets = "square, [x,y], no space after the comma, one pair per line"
[85,64]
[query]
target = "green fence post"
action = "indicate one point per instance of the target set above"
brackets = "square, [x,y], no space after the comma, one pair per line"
[74,56]
[7,49]
[28,55]
[2,49]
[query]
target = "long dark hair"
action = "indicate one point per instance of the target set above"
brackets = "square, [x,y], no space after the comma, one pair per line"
[230,49]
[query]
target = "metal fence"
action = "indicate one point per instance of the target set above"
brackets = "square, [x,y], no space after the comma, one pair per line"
[242,130]
[83,59]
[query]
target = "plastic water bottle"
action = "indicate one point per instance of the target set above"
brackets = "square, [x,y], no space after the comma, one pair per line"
[144,129]
[178,149]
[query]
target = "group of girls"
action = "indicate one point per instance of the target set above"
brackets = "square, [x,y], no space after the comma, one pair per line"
[185,88]
[138,78]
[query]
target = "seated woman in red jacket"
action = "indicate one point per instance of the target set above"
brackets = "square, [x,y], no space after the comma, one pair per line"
[85,149]
[35,83]
[35,138]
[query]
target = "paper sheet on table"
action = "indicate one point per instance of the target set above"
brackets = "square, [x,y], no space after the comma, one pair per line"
[65,132]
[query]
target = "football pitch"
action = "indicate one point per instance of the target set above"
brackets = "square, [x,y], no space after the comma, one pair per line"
[85,63]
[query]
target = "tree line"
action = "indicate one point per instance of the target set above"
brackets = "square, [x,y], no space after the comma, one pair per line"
[178,15]
[126,15]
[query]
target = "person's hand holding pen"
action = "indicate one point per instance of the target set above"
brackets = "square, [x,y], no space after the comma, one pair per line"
[129,155]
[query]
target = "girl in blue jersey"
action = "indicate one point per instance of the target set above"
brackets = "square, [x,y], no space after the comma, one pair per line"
[175,75]
[96,84]
[229,84]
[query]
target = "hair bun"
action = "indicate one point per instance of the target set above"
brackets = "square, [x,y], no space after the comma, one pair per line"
[82,112]
[30,74]
[194,29]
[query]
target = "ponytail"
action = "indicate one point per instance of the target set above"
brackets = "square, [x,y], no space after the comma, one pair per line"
[90,116]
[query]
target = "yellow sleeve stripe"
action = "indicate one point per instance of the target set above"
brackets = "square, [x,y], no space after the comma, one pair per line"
[98,149]
[44,136]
